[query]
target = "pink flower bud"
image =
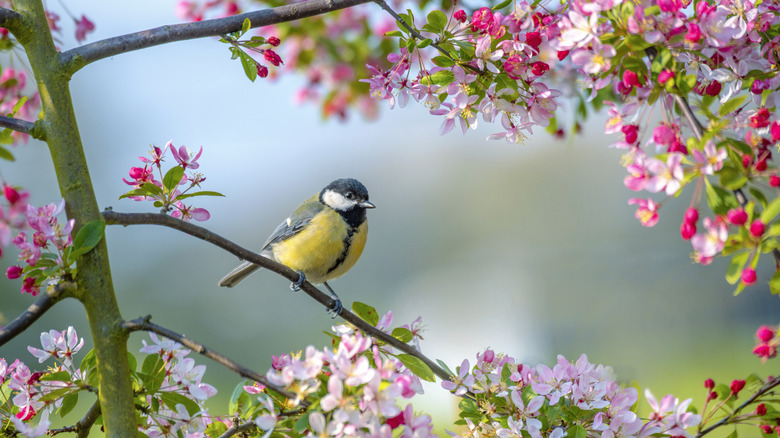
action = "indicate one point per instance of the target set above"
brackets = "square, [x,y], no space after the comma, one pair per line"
[760,410]
[748,276]
[691,215]
[460,15]
[562,54]
[395,421]
[760,119]
[765,350]
[737,216]
[630,79]
[764,333]
[664,134]
[533,39]
[13,272]
[274,41]
[761,165]
[765,428]
[489,356]
[757,228]
[694,33]
[539,68]
[687,230]
[631,132]
[713,89]
[774,181]
[677,146]
[709,384]
[775,131]
[262,71]
[10,194]
[736,386]
[665,76]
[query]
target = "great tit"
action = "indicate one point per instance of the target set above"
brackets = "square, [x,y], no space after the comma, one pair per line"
[321,240]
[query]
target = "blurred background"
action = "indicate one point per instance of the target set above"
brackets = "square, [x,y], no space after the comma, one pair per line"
[528,249]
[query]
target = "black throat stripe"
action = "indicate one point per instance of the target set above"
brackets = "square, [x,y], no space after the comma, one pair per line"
[347,244]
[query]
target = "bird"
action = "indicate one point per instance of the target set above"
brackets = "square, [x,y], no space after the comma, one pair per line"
[321,240]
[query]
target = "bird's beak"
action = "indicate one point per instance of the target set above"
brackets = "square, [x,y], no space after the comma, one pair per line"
[366,204]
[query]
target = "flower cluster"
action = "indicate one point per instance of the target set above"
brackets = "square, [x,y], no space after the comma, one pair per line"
[42,392]
[171,189]
[768,339]
[13,216]
[239,50]
[510,399]
[16,100]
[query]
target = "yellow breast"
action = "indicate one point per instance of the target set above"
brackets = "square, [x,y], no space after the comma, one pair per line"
[324,250]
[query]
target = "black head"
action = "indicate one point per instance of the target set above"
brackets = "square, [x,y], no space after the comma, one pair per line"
[345,194]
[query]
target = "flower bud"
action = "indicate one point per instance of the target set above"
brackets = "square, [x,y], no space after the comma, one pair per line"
[631,132]
[10,194]
[736,386]
[774,181]
[765,428]
[262,71]
[709,384]
[665,76]
[757,228]
[760,410]
[13,272]
[274,41]
[533,39]
[687,230]
[489,356]
[764,333]
[737,216]
[460,15]
[748,276]
[761,165]
[691,215]
[775,131]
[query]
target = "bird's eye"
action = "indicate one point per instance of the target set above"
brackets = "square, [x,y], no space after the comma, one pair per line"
[349,195]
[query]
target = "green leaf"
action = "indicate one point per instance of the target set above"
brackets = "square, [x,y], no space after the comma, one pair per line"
[441,77]
[731,105]
[365,312]
[774,283]
[172,178]
[60,376]
[502,5]
[302,424]
[437,19]
[732,178]
[637,42]
[246,25]
[132,361]
[577,431]
[444,367]
[57,393]
[402,334]
[719,199]
[394,33]
[249,66]
[759,195]
[171,399]
[151,364]
[468,405]
[202,193]
[68,403]
[89,361]
[87,238]
[216,429]
[443,61]
[6,155]
[417,366]
[734,270]
[239,400]
[635,64]
[147,189]
[425,43]
[771,211]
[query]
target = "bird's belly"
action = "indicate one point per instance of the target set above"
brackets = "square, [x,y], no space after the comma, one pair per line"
[318,250]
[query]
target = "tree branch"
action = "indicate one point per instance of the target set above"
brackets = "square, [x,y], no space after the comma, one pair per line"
[84,425]
[115,218]
[768,386]
[239,428]
[17,124]
[78,57]
[49,298]
[144,324]
[10,19]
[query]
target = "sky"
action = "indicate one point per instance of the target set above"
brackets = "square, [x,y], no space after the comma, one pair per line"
[528,249]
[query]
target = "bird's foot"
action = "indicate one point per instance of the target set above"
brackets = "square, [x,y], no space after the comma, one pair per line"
[296,286]
[336,309]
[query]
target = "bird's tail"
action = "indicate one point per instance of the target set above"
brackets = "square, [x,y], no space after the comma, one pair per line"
[238,274]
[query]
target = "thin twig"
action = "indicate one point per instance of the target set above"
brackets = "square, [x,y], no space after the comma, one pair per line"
[17,125]
[78,57]
[768,386]
[145,325]
[239,428]
[411,30]
[49,298]
[115,218]
[83,426]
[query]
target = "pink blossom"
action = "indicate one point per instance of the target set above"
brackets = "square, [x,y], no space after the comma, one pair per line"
[711,159]
[183,157]
[667,176]
[637,175]
[707,245]
[748,276]
[737,216]
[83,27]
[646,212]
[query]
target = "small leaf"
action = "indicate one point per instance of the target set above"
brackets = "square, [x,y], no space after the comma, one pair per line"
[759,195]
[216,429]
[172,178]
[6,155]
[468,405]
[89,361]
[302,424]
[171,399]
[438,20]
[502,5]
[731,105]
[441,77]
[402,334]
[732,178]
[577,431]
[719,199]
[68,403]
[774,283]
[417,366]
[202,193]
[249,65]
[246,25]
[239,400]
[88,237]
[444,367]
[18,106]
[443,61]
[60,376]
[56,394]
[771,211]
[365,312]
[734,271]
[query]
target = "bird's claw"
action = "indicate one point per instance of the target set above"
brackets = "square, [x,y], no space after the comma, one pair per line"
[296,286]
[336,309]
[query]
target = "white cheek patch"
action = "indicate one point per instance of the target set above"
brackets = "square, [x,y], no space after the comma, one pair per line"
[336,201]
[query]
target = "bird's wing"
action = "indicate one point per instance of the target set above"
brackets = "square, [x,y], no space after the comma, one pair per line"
[296,222]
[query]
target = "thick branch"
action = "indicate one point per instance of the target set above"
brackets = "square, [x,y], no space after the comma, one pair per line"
[239,428]
[10,19]
[768,386]
[115,218]
[49,298]
[78,57]
[21,126]
[145,325]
